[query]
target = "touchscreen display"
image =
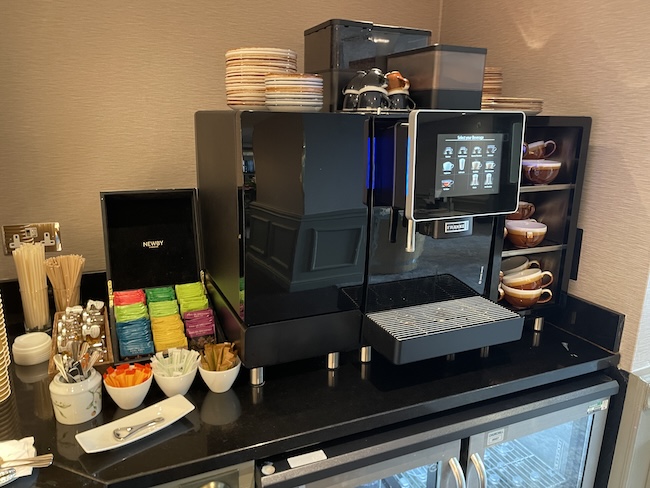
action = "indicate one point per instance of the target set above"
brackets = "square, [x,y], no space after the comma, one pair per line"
[463,163]
[468,164]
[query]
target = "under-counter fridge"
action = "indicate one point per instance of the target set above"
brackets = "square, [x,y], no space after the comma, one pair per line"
[549,437]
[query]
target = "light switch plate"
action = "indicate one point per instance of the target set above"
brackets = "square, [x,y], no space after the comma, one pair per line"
[16,235]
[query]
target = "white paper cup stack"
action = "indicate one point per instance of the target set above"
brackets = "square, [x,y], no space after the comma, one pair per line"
[5,358]
[246,68]
[294,92]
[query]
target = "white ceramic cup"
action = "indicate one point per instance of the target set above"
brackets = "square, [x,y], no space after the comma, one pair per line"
[76,403]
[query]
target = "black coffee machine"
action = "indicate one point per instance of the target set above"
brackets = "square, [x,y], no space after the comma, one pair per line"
[329,232]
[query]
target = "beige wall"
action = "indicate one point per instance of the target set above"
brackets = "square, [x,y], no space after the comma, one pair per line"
[586,58]
[100,96]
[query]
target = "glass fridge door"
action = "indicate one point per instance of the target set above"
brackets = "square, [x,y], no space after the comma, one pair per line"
[557,449]
[433,467]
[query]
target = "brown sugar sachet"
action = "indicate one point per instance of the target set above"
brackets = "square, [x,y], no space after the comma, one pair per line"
[219,357]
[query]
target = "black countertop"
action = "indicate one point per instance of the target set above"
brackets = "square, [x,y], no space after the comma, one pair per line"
[300,404]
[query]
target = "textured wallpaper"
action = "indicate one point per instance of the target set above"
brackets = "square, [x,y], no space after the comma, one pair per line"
[586,58]
[100,96]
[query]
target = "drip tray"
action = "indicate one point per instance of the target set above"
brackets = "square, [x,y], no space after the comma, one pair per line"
[431,330]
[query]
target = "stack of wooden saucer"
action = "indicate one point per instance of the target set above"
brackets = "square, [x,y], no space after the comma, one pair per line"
[294,92]
[530,106]
[492,81]
[493,99]
[245,72]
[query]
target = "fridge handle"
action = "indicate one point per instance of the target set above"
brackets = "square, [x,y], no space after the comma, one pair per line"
[480,469]
[457,471]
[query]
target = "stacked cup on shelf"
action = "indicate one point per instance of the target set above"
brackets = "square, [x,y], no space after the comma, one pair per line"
[295,92]
[245,72]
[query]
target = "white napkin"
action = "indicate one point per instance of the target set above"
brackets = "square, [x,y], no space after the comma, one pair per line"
[17,450]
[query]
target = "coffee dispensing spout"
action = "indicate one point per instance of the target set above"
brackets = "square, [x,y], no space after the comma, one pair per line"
[410,235]
[438,229]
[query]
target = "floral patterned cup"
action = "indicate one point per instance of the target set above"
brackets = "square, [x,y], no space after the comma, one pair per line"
[76,403]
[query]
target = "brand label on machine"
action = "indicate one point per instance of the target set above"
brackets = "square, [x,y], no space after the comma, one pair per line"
[456,226]
[495,437]
[598,406]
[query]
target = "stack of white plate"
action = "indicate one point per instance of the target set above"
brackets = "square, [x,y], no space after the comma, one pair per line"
[294,92]
[246,68]
[530,106]
[492,81]
[5,358]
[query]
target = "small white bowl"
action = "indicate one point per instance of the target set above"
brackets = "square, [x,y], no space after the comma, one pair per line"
[220,381]
[31,348]
[129,397]
[175,385]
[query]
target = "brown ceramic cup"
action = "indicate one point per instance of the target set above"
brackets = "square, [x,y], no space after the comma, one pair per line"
[539,149]
[397,82]
[528,279]
[525,233]
[540,171]
[515,264]
[525,210]
[521,299]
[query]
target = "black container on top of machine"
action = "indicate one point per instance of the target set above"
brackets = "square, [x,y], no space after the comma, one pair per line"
[319,227]
[337,49]
[443,76]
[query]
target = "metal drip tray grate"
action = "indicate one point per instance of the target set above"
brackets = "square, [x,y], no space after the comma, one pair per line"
[436,329]
[512,464]
[421,320]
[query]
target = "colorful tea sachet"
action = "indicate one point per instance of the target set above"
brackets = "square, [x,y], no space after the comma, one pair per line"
[134,337]
[189,290]
[160,294]
[126,313]
[163,309]
[200,328]
[168,332]
[195,303]
[191,296]
[128,297]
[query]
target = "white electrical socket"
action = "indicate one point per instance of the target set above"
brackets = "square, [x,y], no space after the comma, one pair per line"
[16,235]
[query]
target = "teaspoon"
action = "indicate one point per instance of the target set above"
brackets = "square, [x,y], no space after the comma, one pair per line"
[122,433]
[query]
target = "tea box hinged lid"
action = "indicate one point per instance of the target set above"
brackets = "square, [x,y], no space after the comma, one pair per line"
[151,238]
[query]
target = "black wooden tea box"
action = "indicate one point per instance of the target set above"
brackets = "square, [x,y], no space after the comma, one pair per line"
[151,242]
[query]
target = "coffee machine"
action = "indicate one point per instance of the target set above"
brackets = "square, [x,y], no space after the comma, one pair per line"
[330,232]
